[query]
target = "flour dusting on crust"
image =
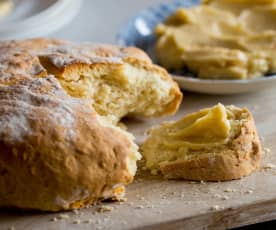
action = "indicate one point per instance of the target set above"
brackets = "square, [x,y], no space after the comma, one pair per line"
[33,99]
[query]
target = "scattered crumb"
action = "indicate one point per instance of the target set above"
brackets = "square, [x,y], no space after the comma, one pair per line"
[105,208]
[267,150]
[230,190]
[215,208]
[76,222]
[123,199]
[224,197]
[140,207]
[54,219]
[154,172]
[202,182]
[63,216]
[269,166]
[220,196]
[249,191]
[76,211]
[87,221]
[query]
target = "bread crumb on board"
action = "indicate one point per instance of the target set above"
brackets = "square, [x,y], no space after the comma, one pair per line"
[267,150]
[269,166]
[249,191]
[230,190]
[140,207]
[89,221]
[63,217]
[76,222]
[76,211]
[123,199]
[105,208]
[215,207]
[222,197]
[54,219]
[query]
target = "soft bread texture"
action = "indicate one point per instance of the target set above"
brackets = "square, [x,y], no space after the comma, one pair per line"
[119,81]
[55,152]
[215,144]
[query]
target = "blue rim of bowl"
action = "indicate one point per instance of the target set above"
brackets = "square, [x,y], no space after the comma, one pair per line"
[161,12]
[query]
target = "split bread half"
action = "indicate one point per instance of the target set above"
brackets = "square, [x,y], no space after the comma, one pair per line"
[213,144]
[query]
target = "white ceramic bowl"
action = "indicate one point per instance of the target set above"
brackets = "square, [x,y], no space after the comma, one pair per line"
[33,18]
[224,86]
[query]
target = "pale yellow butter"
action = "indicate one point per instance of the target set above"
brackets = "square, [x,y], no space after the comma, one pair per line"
[222,39]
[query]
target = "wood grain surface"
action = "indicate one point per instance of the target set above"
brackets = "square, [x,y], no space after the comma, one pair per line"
[155,203]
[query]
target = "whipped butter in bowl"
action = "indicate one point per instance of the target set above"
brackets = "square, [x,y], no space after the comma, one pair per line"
[212,46]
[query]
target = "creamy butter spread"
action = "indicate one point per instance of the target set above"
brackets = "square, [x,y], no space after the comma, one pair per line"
[205,126]
[222,39]
[197,133]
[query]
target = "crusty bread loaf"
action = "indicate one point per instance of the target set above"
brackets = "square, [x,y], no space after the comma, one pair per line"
[55,153]
[119,81]
[215,144]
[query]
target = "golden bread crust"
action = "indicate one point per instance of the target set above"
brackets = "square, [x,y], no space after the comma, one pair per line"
[55,154]
[241,159]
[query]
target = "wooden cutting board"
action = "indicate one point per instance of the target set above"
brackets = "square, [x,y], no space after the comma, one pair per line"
[155,203]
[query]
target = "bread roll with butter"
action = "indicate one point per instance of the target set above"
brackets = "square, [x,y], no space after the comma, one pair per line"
[213,144]
[119,81]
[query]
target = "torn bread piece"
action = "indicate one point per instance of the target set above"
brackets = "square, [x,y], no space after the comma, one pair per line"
[213,144]
[119,81]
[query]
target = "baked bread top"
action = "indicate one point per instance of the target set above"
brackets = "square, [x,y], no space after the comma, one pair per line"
[213,144]
[119,81]
[55,152]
